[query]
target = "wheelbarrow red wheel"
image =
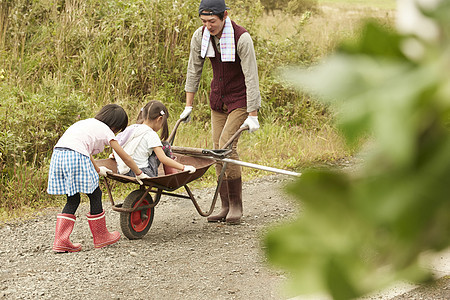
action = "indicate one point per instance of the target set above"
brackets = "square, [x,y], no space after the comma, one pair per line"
[136,224]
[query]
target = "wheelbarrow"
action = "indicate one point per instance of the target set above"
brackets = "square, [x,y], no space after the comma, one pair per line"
[137,210]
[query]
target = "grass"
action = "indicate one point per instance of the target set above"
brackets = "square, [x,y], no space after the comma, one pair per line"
[382,4]
[336,20]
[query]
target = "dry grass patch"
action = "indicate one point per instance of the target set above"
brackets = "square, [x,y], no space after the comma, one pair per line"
[290,148]
[384,4]
[323,30]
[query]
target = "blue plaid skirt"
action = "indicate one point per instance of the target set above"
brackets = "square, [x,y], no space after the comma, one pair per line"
[71,172]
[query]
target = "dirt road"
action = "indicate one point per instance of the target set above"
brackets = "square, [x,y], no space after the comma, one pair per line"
[182,256]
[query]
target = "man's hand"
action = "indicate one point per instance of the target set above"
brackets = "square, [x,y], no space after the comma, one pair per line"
[252,123]
[186,114]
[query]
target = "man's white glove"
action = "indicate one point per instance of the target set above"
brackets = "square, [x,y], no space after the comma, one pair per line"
[252,123]
[103,171]
[140,177]
[191,169]
[186,114]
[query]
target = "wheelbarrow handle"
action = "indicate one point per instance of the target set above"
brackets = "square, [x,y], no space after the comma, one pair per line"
[171,137]
[216,153]
[234,137]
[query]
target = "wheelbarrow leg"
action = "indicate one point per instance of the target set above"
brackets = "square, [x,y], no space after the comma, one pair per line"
[222,189]
[223,192]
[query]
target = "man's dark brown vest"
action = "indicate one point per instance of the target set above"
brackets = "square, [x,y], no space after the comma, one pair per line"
[228,90]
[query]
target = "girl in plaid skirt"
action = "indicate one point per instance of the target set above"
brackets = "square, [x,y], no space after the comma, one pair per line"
[74,171]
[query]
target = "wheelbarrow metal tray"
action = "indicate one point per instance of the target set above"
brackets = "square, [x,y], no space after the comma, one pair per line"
[168,182]
[137,210]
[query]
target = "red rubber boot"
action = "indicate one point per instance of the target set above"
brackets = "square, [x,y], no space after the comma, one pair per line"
[102,237]
[64,227]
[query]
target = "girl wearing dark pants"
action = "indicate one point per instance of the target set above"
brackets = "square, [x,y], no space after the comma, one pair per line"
[74,171]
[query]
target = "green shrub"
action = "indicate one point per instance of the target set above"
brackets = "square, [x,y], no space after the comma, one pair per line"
[32,123]
[126,51]
[24,190]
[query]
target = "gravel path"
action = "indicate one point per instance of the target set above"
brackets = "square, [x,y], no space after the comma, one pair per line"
[181,257]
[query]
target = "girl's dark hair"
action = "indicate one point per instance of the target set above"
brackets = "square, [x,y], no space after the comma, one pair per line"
[153,110]
[114,116]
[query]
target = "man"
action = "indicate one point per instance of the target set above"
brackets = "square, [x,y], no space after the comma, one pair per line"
[234,99]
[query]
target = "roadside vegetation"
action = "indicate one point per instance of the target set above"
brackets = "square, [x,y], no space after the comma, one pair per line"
[60,61]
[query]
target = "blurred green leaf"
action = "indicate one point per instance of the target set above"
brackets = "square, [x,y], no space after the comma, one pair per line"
[375,41]
[360,231]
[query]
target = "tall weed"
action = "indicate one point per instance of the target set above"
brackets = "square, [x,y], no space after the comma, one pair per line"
[31,123]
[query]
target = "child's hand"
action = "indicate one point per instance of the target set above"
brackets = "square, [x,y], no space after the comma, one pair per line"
[140,177]
[103,171]
[191,169]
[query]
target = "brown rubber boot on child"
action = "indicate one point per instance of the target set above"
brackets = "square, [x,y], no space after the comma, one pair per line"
[235,201]
[223,191]
[64,227]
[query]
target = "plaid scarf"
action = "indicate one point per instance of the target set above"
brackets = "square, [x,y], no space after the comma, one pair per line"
[227,45]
